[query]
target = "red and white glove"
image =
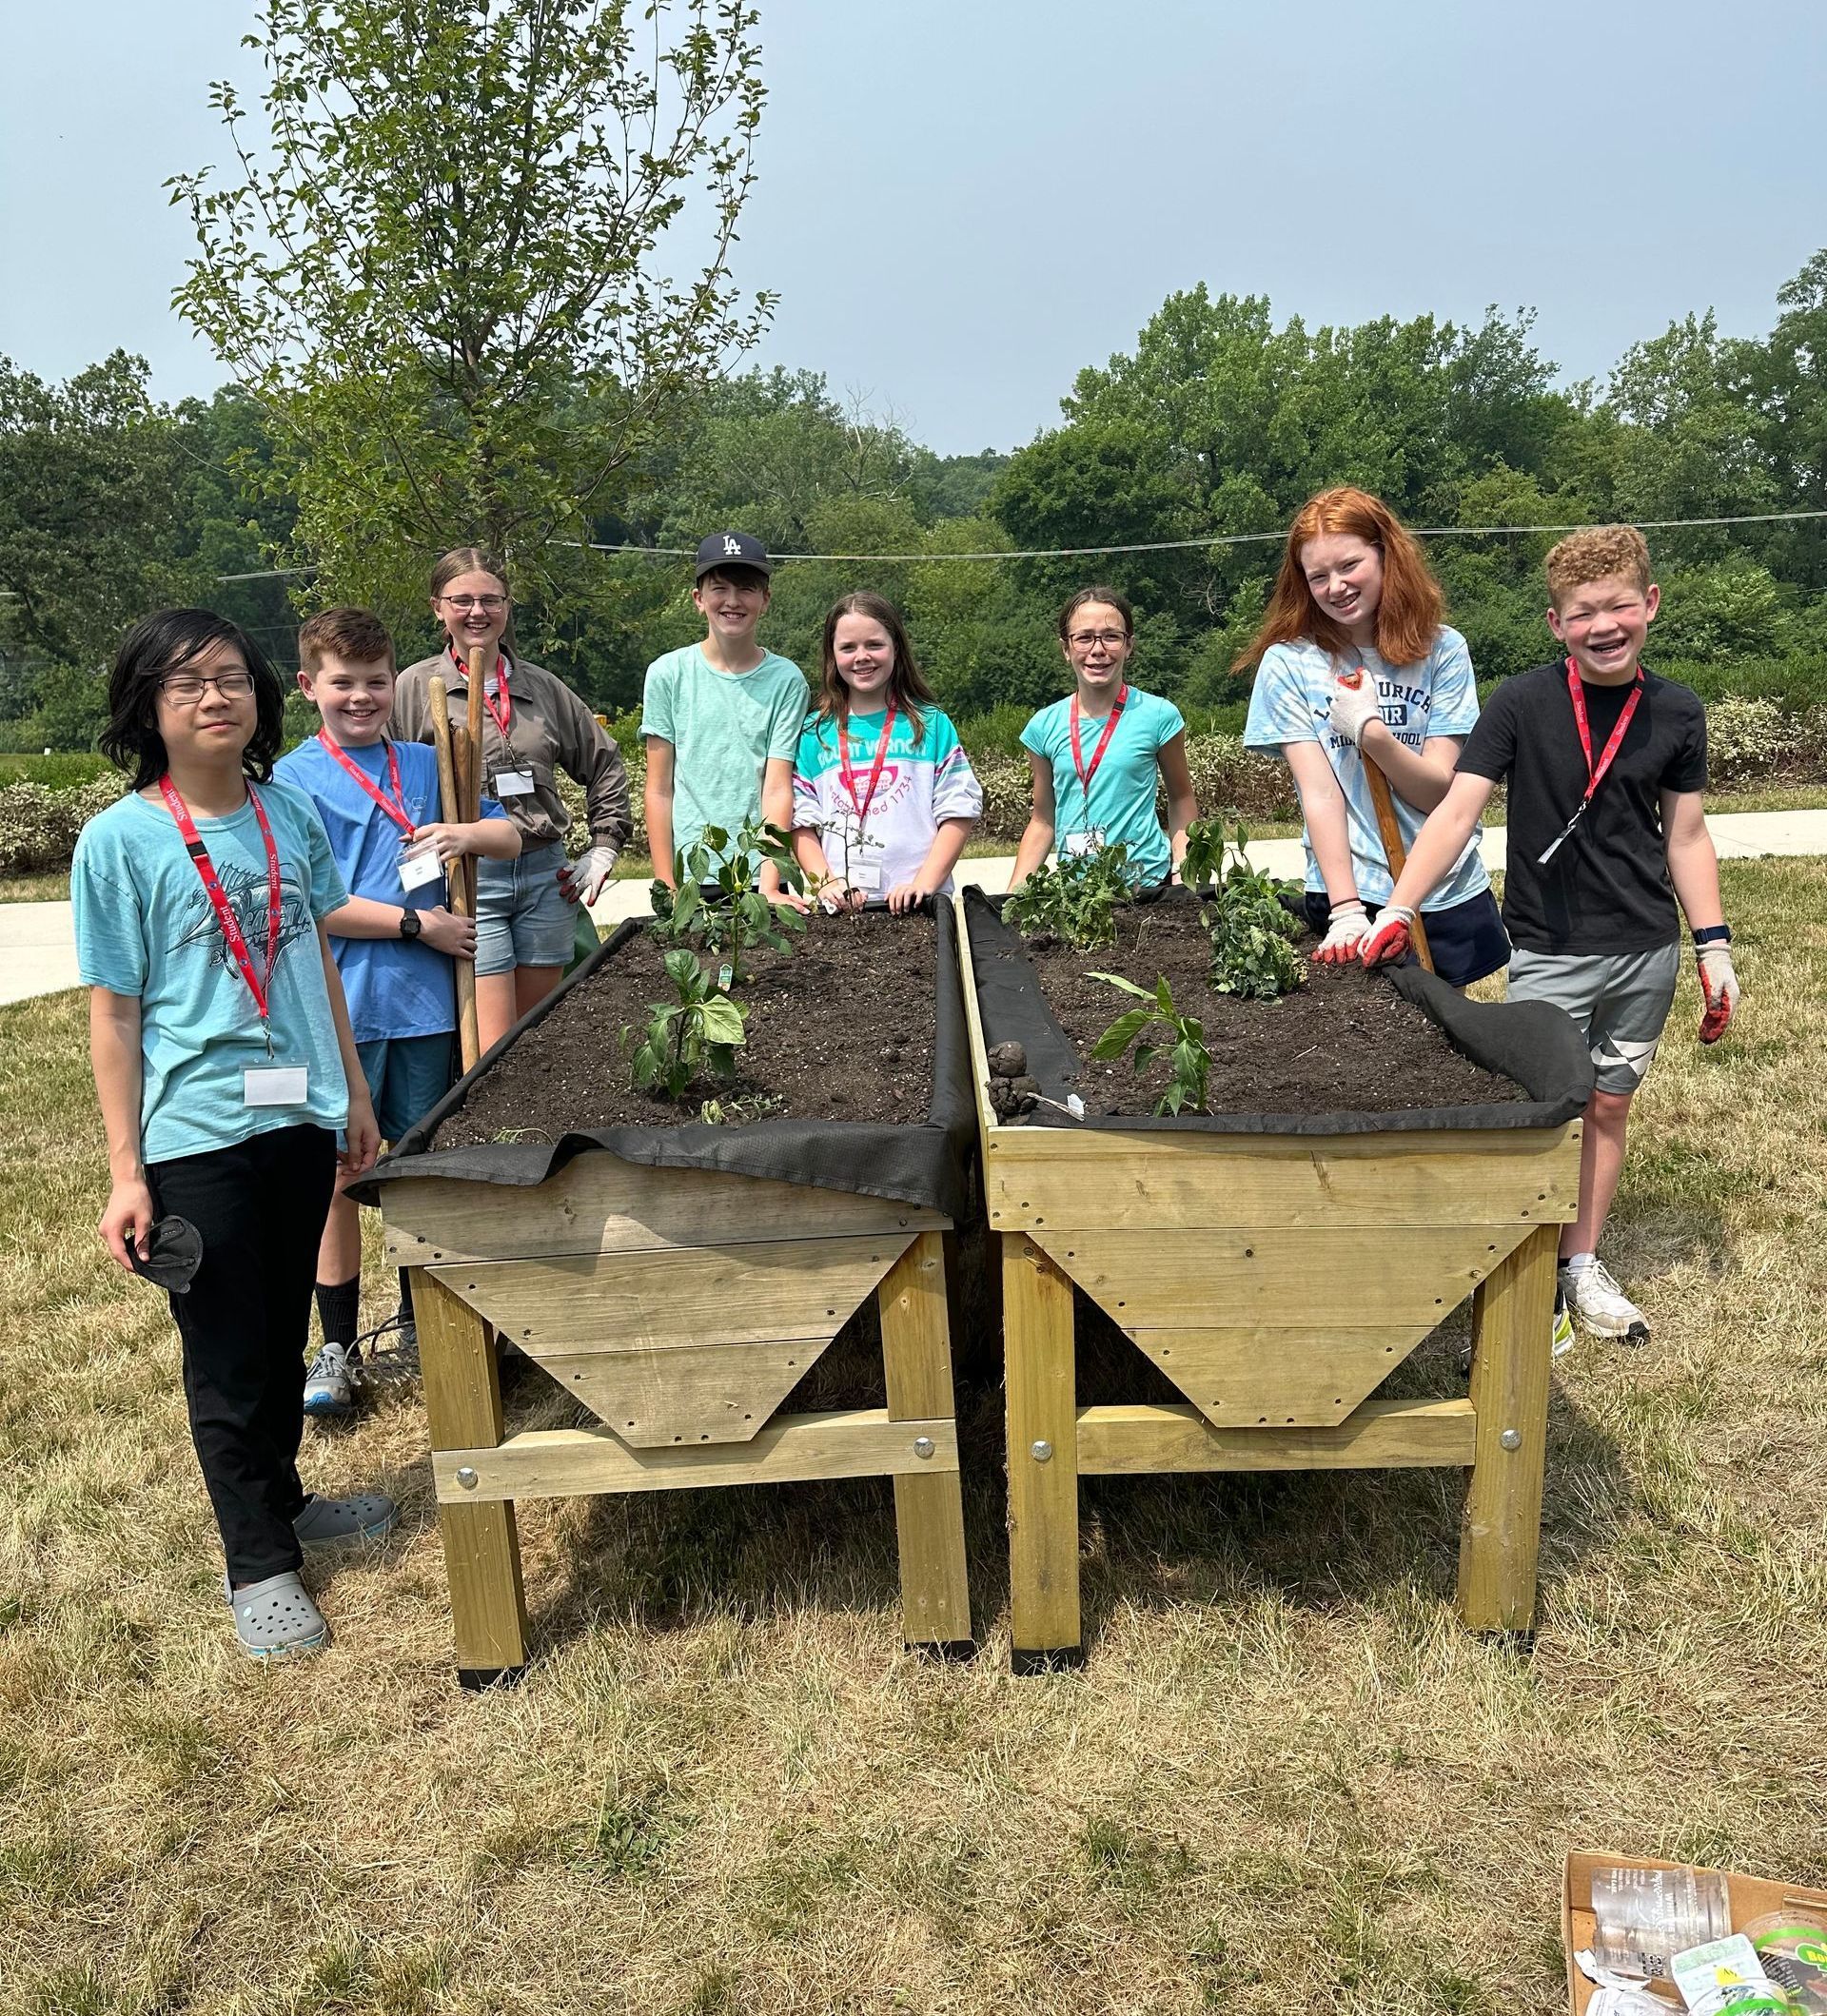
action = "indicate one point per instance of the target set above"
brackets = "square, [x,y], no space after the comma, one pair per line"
[581,881]
[1344,933]
[1719,989]
[1388,938]
[1355,705]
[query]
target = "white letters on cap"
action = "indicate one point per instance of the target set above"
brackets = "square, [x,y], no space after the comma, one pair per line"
[731,543]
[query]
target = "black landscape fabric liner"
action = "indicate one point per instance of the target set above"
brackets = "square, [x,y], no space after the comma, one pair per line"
[1534,1044]
[927,1165]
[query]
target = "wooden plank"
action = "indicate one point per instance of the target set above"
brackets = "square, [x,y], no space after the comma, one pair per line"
[1027,1145]
[1284,1276]
[1381,1435]
[1257,1376]
[677,1297]
[463,1394]
[929,1510]
[598,1204]
[579,1462]
[1512,1347]
[1260,1183]
[1043,1451]
[694,1392]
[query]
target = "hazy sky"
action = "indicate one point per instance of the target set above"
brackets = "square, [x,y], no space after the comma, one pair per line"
[963,204]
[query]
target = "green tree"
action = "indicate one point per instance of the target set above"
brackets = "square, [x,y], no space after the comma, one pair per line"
[445,281]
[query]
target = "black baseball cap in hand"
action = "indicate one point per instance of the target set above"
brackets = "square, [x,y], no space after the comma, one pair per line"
[731,549]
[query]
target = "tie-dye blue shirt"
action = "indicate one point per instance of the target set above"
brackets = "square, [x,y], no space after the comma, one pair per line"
[921,784]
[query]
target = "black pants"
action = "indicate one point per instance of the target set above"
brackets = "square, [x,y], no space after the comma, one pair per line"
[260,1206]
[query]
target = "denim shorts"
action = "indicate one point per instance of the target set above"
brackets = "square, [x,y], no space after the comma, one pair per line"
[1468,939]
[522,918]
[408,1076]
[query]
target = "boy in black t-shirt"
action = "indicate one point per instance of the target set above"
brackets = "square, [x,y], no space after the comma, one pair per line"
[1605,764]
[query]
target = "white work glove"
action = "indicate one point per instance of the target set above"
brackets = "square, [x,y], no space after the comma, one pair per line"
[1719,989]
[581,881]
[1354,706]
[1349,922]
[1390,937]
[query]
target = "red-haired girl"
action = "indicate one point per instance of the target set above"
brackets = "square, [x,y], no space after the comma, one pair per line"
[1355,593]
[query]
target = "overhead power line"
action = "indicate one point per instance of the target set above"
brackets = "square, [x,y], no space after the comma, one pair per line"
[1069,552]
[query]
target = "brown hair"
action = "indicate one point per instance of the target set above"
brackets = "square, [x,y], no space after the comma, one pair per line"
[477,559]
[1107,596]
[357,635]
[907,687]
[1594,553]
[1412,608]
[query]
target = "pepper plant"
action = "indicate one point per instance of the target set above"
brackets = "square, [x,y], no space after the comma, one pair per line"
[1252,930]
[698,1032]
[1187,1057]
[739,916]
[1075,899]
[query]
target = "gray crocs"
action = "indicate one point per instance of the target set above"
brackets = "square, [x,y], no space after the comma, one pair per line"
[275,1619]
[326,1522]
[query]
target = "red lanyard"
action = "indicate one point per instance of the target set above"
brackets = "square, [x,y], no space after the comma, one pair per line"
[1111,720]
[1594,772]
[849,776]
[394,807]
[258,984]
[500,702]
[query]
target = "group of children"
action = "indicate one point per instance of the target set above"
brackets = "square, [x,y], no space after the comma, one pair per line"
[272,961]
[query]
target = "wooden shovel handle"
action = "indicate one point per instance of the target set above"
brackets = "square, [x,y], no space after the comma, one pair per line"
[473,796]
[461,895]
[1395,851]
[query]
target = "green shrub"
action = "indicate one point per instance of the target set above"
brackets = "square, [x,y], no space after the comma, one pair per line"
[38,826]
[60,771]
[1748,738]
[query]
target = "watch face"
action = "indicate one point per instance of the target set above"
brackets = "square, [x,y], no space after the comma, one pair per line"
[410,923]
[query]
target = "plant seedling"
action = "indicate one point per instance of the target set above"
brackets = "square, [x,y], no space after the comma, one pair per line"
[699,1032]
[1252,931]
[1075,899]
[1188,1058]
[742,917]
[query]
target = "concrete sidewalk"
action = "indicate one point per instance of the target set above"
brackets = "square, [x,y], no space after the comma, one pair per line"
[38,951]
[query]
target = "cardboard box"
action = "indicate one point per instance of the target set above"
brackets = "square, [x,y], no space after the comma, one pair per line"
[1751,1896]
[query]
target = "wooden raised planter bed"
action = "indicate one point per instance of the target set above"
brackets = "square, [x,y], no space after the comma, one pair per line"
[680,1281]
[1275,1277]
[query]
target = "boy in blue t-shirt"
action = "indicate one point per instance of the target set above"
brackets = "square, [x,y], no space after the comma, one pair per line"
[394,940]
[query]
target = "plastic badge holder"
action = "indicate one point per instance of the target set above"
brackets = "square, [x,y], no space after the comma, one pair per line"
[1645,1916]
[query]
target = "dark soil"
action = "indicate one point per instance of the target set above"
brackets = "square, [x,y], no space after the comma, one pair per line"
[1343,1041]
[841,1030]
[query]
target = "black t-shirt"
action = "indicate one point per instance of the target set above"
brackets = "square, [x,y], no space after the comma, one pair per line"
[1607,888]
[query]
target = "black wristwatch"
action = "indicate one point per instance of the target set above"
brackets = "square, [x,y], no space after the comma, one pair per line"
[409,924]
[1713,934]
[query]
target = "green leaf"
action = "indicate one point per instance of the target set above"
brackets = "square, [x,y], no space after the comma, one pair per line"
[722,1021]
[1122,1032]
[1128,987]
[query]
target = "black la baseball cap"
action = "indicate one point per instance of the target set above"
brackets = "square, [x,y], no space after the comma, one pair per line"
[731,549]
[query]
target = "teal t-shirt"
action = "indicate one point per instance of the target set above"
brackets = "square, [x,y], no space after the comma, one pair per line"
[1120,810]
[144,927]
[724,727]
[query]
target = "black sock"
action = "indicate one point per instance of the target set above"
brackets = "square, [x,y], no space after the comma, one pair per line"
[337,1310]
[406,1295]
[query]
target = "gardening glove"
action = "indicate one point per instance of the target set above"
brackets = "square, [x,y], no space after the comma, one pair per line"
[1388,938]
[1354,705]
[581,881]
[1719,989]
[1344,934]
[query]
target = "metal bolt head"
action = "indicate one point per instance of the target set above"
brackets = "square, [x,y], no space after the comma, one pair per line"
[1511,1438]
[923,1446]
[466,1478]
[1041,1452]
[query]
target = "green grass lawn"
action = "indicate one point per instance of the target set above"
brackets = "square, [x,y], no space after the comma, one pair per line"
[1285,1779]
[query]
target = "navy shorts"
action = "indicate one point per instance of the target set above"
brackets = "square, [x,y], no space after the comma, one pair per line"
[408,1076]
[1468,939]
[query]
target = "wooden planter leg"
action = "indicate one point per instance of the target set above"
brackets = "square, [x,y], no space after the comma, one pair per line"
[928,1509]
[482,1545]
[1512,1346]
[1043,1457]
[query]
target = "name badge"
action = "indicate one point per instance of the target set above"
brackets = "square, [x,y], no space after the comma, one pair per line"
[513,784]
[419,864]
[865,874]
[1089,842]
[275,1084]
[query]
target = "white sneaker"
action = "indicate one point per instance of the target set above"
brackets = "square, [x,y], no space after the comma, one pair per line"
[1601,1306]
[328,1390]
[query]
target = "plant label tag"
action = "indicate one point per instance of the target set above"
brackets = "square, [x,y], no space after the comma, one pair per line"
[513,783]
[1089,842]
[275,1084]
[418,864]
[725,975]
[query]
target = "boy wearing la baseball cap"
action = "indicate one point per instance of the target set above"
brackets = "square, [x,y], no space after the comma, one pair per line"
[721,718]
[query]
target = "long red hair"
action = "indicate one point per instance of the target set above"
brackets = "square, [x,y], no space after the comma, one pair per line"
[1412,609]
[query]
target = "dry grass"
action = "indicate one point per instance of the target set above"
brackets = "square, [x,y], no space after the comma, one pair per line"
[1284,1780]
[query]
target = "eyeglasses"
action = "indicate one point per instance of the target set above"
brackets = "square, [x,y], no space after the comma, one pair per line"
[1084,639]
[185,688]
[488,604]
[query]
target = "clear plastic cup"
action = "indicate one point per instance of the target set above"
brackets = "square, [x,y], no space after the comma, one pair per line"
[1645,1916]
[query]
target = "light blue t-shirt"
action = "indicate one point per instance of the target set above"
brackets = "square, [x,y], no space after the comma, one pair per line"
[724,728]
[921,784]
[1439,696]
[1121,806]
[145,927]
[395,987]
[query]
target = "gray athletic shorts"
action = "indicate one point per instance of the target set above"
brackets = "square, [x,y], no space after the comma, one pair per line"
[1620,1000]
